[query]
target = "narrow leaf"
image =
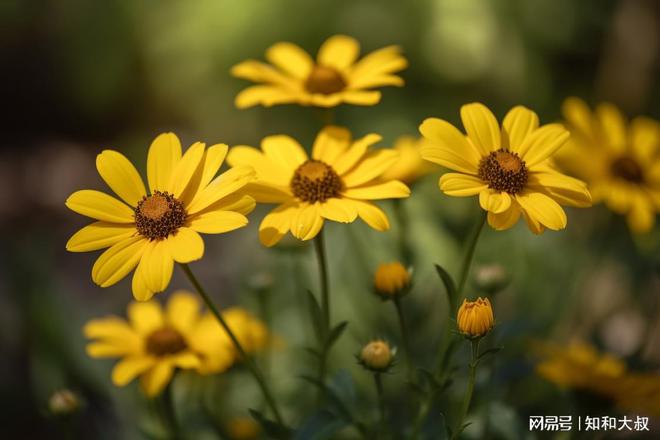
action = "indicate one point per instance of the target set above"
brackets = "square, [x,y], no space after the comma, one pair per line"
[450,286]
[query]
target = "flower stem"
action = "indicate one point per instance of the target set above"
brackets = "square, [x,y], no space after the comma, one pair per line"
[252,367]
[319,246]
[467,259]
[381,403]
[405,340]
[470,388]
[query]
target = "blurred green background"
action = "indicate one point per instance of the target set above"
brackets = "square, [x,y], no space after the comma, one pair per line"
[79,76]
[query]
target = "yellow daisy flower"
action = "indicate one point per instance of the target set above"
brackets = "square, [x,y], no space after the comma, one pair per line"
[580,366]
[619,161]
[507,167]
[336,183]
[410,166]
[336,76]
[151,231]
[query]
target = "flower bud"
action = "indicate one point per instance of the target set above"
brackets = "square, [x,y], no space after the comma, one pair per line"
[377,355]
[63,403]
[491,278]
[475,318]
[391,279]
[243,428]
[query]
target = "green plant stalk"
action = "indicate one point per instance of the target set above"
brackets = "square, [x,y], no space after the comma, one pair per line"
[470,389]
[381,402]
[467,259]
[248,361]
[405,340]
[319,246]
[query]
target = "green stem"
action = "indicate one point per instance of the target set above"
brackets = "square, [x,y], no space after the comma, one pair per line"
[249,363]
[319,246]
[381,403]
[470,388]
[405,340]
[467,259]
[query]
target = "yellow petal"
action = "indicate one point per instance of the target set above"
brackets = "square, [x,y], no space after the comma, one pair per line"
[482,127]
[579,117]
[225,184]
[266,169]
[388,190]
[185,246]
[448,147]
[641,216]
[564,189]
[284,151]
[145,317]
[276,224]
[266,96]
[217,222]
[141,291]
[338,51]
[261,72]
[234,202]
[613,125]
[542,209]
[353,155]
[99,350]
[367,82]
[121,176]
[378,63]
[111,328]
[156,379]
[370,167]
[159,264]
[504,220]
[307,222]
[461,185]
[330,143]
[494,201]
[542,144]
[100,206]
[186,360]
[532,223]
[264,192]
[291,59]
[645,139]
[186,168]
[164,154]
[210,164]
[116,262]
[355,97]
[519,123]
[337,210]
[129,368]
[183,311]
[371,215]
[99,235]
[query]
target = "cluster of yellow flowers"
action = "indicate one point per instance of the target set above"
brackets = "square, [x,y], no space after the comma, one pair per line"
[512,167]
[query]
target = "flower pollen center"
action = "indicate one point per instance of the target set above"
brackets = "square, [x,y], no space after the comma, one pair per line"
[165,341]
[628,169]
[315,181]
[159,215]
[503,170]
[325,80]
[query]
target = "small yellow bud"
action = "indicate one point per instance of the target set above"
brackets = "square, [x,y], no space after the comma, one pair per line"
[475,318]
[243,428]
[391,279]
[63,402]
[377,355]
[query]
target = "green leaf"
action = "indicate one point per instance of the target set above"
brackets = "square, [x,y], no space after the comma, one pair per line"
[450,286]
[489,352]
[316,314]
[320,426]
[272,429]
[312,351]
[429,378]
[335,333]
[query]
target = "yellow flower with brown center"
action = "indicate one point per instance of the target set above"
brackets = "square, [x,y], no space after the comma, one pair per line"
[508,166]
[475,318]
[410,166]
[154,342]
[580,366]
[149,231]
[337,76]
[377,355]
[336,183]
[620,161]
[391,279]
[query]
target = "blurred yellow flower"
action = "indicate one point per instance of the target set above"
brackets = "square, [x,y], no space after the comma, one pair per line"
[391,279]
[243,428]
[507,167]
[580,366]
[410,166]
[336,183]
[620,161]
[154,342]
[336,77]
[377,355]
[475,318]
[151,231]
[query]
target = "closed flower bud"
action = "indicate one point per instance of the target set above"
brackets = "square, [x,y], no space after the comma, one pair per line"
[475,318]
[391,279]
[377,355]
[491,278]
[63,403]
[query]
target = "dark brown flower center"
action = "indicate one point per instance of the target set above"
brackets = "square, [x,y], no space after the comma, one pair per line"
[165,341]
[159,215]
[628,169]
[325,80]
[503,170]
[315,181]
